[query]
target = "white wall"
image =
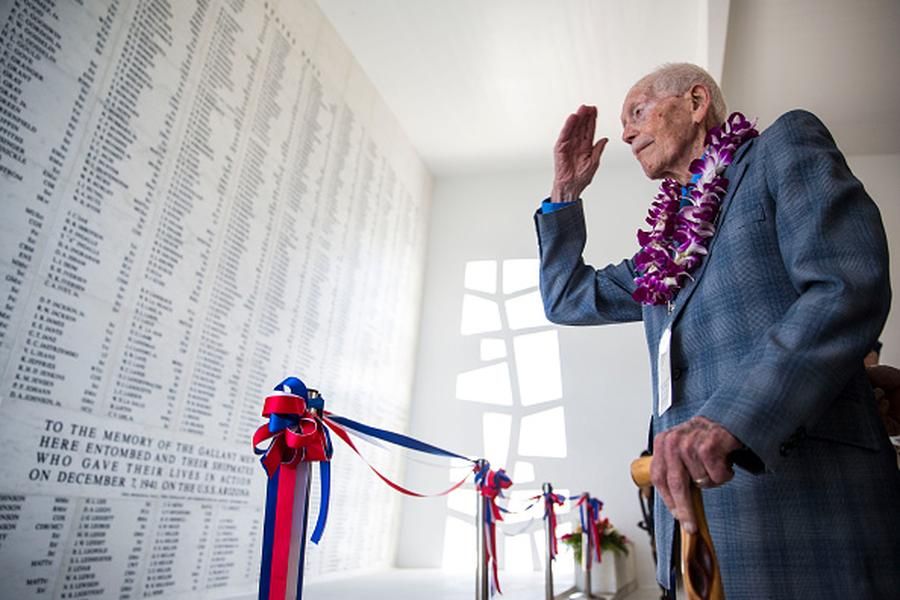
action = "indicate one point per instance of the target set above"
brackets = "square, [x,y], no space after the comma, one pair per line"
[605,378]
[604,370]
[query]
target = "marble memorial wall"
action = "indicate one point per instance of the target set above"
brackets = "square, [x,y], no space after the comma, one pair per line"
[198,198]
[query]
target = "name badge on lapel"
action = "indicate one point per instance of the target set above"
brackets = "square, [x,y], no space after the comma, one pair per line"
[664,373]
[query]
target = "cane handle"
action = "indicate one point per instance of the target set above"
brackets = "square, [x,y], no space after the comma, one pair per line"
[699,566]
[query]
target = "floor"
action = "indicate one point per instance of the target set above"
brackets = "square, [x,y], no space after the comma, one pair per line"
[416,584]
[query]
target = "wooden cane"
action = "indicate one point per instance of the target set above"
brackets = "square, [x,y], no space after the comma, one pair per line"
[699,566]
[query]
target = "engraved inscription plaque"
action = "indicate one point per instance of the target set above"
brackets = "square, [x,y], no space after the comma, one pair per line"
[198,198]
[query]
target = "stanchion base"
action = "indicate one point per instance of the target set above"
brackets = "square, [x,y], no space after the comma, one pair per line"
[575,594]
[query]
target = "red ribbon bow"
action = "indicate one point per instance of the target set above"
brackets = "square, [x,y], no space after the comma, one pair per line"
[302,439]
[492,486]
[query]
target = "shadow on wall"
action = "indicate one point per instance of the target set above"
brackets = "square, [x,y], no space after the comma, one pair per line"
[519,391]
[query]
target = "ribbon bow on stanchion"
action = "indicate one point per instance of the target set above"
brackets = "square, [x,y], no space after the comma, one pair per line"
[589,514]
[490,485]
[551,501]
[298,437]
[298,433]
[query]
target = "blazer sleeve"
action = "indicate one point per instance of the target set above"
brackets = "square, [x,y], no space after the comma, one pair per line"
[573,292]
[834,250]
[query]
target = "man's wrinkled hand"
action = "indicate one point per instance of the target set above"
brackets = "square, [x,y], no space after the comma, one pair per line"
[694,451]
[575,155]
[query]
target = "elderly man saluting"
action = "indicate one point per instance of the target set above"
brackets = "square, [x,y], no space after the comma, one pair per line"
[762,281]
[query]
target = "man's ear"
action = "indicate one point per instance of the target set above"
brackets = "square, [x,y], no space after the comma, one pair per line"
[700,103]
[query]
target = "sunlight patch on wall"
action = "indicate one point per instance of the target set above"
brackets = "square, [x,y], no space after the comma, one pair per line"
[565,560]
[518,554]
[519,498]
[523,472]
[496,428]
[489,385]
[492,349]
[462,501]
[543,434]
[526,311]
[540,547]
[457,472]
[524,349]
[519,274]
[479,315]
[481,276]
[459,544]
[538,368]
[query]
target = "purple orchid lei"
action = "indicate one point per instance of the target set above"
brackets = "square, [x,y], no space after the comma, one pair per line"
[679,235]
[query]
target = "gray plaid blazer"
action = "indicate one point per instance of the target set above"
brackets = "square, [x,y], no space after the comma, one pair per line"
[768,340]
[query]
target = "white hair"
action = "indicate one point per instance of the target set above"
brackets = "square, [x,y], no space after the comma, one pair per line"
[677,78]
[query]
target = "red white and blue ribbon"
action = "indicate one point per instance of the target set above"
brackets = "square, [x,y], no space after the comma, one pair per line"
[341,425]
[298,437]
[490,484]
[551,500]
[298,434]
[589,513]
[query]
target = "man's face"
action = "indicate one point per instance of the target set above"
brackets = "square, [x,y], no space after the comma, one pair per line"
[660,132]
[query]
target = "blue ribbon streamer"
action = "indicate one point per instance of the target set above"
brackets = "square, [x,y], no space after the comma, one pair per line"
[396,438]
[325,476]
[279,422]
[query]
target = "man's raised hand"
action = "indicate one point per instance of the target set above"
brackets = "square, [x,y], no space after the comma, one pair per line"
[575,155]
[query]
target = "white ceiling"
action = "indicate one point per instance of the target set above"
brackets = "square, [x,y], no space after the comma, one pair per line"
[482,85]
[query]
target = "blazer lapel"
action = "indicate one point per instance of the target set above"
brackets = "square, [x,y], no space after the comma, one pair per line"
[737,169]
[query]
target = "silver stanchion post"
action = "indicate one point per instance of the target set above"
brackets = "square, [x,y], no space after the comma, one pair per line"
[586,548]
[481,572]
[548,572]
